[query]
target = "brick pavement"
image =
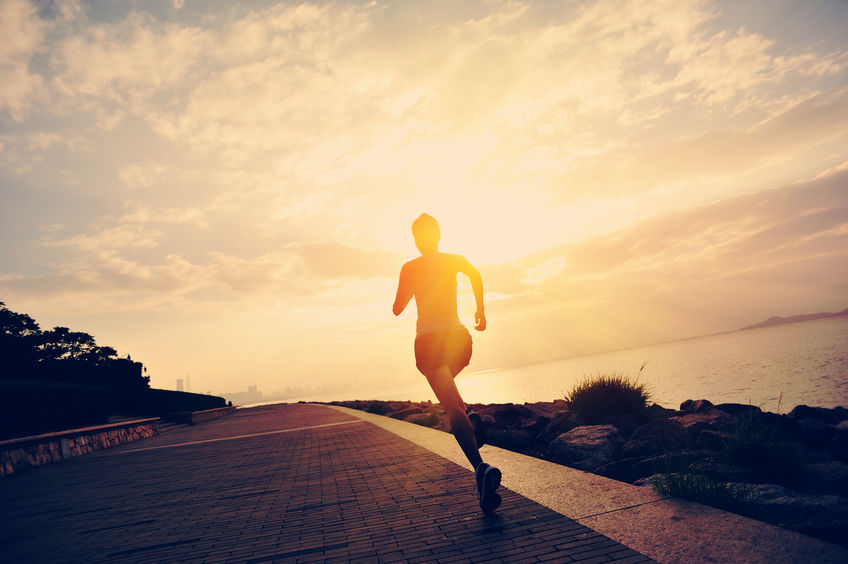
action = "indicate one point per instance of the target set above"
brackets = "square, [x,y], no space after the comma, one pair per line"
[283,483]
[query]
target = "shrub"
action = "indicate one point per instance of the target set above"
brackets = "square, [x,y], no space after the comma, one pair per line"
[597,398]
[429,419]
[376,407]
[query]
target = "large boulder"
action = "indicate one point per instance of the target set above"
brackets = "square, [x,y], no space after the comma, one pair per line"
[738,408]
[711,440]
[560,423]
[510,413]
[694,406]
[814,514]
[825,415]
[586,448]
[822,478]
[707,419]
[657,437]
[656,411]
[537,426]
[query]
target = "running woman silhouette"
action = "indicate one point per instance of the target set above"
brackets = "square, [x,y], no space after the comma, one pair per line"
[443,344]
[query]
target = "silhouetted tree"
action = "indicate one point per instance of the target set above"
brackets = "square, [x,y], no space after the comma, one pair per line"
[60,354]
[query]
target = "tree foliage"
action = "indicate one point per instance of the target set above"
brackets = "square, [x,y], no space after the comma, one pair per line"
[59,354]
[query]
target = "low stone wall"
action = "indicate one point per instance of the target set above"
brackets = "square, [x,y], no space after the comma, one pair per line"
[209,414]
[30,452]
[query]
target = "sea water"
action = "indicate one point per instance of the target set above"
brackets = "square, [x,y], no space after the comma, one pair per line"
[775,367]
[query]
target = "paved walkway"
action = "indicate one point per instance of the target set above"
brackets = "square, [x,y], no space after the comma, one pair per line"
[287,483]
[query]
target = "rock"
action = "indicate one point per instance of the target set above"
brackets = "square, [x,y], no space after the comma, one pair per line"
[706,419]
[737,408]
[537,426]
[839,443]
[509,438]
[817,433]
[822,478]
[694,406]
[830,416]
[511,413]
[806,412]
[658,437]
[656,411]
[624,422]
[586,448]
[711,440]
[804,512]
[560,423]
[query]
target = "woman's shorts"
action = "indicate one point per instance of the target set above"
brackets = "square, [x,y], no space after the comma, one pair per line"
[444,348]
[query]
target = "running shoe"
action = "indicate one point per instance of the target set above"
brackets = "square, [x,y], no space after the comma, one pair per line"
[488,481]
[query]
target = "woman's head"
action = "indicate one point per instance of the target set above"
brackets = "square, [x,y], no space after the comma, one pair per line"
[427,234]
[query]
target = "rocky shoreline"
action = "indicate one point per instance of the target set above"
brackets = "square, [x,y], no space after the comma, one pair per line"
[788,469]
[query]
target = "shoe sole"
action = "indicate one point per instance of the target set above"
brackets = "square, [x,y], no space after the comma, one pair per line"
[489,499]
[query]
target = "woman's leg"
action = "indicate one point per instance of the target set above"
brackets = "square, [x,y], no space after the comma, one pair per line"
[441,381]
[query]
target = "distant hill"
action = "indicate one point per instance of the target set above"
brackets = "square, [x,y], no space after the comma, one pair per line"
[777,320]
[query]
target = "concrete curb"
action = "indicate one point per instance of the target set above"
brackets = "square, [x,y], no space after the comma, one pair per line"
[665,529]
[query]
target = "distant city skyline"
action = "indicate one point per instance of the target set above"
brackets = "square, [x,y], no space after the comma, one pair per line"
[226,190]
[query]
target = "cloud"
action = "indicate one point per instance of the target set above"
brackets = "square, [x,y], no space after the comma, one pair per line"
[716,266]
[21,152]
[22,31]
[110,69]
[136,176]
[814,121]
[333,260]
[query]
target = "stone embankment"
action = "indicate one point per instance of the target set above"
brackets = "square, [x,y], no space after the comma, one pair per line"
[786,469]
[31,452]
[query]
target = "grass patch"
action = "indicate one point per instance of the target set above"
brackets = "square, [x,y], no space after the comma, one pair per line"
[696,487]
[755,440]
[429,419]
[596,398]
[376,407]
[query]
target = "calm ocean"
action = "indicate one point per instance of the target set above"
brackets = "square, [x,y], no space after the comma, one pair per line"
[805,362]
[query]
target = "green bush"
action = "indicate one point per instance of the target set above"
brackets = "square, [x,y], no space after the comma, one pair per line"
[598,397]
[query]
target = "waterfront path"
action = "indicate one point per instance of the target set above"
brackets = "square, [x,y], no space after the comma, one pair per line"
[288,483]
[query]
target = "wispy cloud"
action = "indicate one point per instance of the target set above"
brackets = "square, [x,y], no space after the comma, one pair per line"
[609,159]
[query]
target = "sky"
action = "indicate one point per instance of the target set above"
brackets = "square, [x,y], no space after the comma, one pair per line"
[224,190]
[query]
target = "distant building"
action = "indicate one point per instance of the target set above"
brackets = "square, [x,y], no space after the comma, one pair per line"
[252,395]
[179,384]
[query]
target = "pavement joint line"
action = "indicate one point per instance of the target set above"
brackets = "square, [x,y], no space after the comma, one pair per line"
[623,508]
[247,436]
